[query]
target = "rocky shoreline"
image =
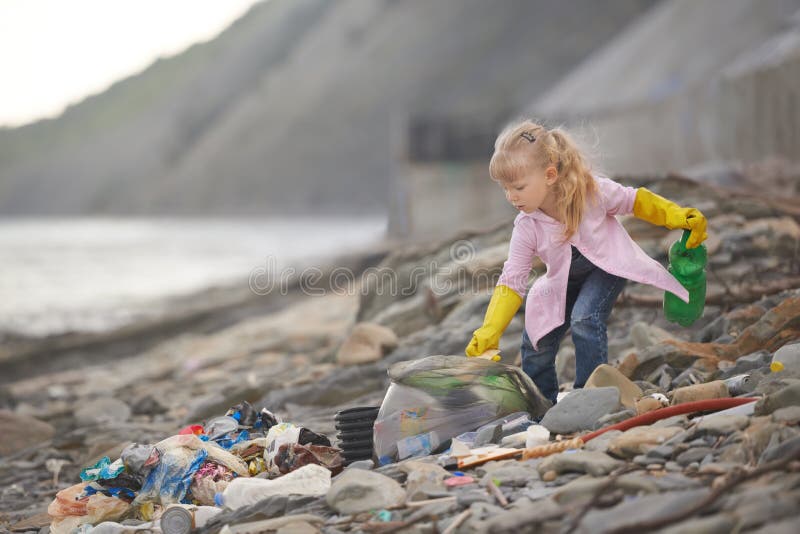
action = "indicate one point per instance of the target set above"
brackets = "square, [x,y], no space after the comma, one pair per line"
[738,471]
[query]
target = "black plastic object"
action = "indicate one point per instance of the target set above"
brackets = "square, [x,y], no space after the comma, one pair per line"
[355,432]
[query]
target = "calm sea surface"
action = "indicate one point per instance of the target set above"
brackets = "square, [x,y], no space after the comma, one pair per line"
[93,274]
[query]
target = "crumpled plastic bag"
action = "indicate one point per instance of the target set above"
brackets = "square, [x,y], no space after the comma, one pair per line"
[434,399]
[168,482]
[214,451]
[284,436]
[69,511]
[103,469]
[209,480]
[292,456]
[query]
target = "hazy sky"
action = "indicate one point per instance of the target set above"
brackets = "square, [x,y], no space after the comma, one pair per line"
[55,52]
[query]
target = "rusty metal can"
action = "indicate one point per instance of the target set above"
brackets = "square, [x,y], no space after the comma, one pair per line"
[177,520]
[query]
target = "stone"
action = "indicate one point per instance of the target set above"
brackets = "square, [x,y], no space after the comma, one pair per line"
[675,420]
[721,424]
[662,451]
[788,396]
[102,410]
[20,432]
[640,439]
[298,527]
[581,409]
[789,415]
[356,491]
[695,454]
[518,475]
[606,376]
[790,447]
[631,512]
[672,353]
[773,329]
[748,362]
[786,526]
[601,442]
[468,496]
[367,342]
[710,390]
[716,524]
[614,418]
[713,330]
[147,405]
[628,363]
[520,518]
[424,479]
[645,335]
[590,462]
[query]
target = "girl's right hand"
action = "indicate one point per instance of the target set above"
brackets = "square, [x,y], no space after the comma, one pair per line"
[502,306]
[483,339]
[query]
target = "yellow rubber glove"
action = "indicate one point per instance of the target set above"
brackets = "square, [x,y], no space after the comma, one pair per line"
[656,209]
[503,305]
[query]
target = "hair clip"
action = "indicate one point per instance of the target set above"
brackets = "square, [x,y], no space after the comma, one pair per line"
[529,136]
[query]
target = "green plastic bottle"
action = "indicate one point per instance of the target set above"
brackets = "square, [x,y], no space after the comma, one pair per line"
[688,266]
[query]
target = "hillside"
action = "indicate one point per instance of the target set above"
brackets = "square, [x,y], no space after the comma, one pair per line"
[295,107]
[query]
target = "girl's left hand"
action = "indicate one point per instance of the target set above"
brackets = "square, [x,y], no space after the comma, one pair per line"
[696,222]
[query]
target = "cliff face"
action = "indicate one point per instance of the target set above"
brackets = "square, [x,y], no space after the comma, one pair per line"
[295,107]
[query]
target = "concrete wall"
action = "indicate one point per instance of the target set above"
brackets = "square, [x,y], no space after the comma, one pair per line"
[746,117]
[437,200]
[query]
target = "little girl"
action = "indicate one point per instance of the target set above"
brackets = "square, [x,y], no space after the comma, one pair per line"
[567,218]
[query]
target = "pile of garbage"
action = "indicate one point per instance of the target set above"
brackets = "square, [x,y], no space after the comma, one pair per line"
[471,444]
[231,460]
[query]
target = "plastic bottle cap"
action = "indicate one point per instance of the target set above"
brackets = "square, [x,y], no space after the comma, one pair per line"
[776,367]
[219,499]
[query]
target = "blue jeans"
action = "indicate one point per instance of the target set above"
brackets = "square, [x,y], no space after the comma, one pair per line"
[591,293]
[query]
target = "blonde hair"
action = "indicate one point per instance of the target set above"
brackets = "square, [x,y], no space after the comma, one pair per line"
[523,144]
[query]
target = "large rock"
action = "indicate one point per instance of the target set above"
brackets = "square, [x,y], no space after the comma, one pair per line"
[18,432]
[721,424]
[630,512]
[367,342]
[356,491]
[788,396]
[581,409]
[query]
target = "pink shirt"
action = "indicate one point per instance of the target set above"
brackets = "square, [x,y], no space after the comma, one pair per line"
[600,237]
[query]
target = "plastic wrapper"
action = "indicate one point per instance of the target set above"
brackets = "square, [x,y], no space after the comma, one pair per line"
[214,451]
[209,480]
[434,399]
[307,480]
[69,511]
[103,469]
[66,502]
[280,434]
[292,456]
[168,482]
[138,458]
